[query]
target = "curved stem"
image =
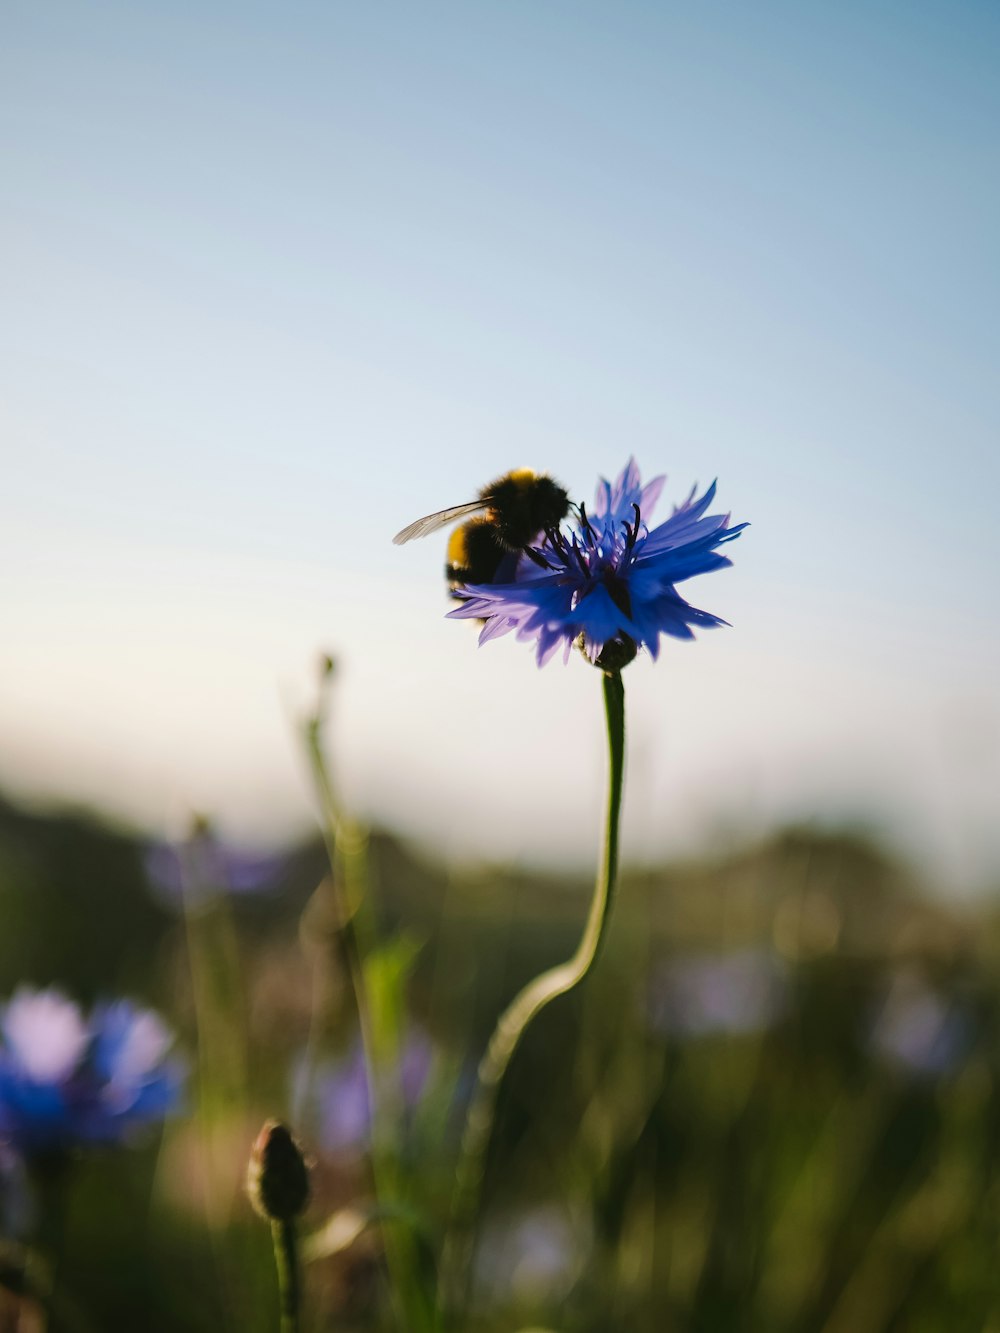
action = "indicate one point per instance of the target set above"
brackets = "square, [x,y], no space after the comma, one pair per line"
[513,1023]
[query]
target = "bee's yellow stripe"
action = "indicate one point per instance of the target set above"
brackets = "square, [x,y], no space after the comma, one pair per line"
[458,555]
[522,477]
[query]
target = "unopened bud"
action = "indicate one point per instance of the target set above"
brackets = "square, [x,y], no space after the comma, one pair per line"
[615,654]
[277,1177]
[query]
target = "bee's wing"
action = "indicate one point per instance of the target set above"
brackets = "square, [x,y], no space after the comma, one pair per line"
[431,522]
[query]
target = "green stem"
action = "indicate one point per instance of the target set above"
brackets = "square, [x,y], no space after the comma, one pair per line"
[347,851]
[459,1249]
[51,1174]
[286,1257]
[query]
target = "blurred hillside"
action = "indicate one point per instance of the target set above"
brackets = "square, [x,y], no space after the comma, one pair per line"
[776,1104]
[81,907]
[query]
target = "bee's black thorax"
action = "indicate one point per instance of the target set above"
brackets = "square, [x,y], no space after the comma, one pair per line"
[522,504]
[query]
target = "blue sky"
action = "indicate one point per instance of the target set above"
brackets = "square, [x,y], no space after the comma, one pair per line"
[277,280]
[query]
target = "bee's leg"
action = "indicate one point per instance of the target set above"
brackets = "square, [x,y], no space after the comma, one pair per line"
[537,556]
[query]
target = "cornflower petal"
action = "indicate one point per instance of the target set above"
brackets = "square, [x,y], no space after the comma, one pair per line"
[615,503]
[45,1034]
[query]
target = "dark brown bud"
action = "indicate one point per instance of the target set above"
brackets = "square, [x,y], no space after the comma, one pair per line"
[277,1176]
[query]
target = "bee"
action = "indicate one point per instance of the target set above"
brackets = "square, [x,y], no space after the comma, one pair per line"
[506,517]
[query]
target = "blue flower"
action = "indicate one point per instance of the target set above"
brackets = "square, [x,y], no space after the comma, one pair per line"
[612,579]
[342,1092]
[703,995]
[205,866]
[65,1082]
[920,1030]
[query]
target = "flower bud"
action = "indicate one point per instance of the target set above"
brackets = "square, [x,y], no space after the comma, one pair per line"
[615,654]
[277,1176]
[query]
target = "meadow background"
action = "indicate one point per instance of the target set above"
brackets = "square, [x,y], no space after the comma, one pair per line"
[276,282]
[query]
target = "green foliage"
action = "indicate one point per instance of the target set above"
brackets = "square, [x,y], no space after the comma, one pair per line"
[388,969]
[791,1177]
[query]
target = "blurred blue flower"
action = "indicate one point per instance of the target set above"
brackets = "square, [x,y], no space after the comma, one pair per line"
[344,1103]
[734,993]
[920,1031]
[536,1255]
[204,865]
[65,1082]
[342,1093]
[612,579]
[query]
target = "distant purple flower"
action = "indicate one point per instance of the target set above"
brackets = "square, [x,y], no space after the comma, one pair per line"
[344,1104]
[66,1082]
[919,1030]
[342,1093]
[612,579]
[733,993]
[204,865]
[534,1255]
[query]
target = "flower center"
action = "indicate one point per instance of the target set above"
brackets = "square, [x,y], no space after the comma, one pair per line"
[618,592]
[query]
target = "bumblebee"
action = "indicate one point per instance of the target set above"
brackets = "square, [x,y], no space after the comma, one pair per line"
[507,516]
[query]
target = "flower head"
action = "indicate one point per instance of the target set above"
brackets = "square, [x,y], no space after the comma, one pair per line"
[204,866]
[535,1255]
[343,1098]
[65,1081]
[920,1030]
[610,583]
[709,994]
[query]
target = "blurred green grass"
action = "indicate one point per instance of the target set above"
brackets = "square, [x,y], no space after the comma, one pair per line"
[785,1155]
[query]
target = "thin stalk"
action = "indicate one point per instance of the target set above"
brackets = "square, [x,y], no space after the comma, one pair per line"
[51,1174]
[221,1073]
[459,1248]
[346,846]
[286,1257]
[346,849]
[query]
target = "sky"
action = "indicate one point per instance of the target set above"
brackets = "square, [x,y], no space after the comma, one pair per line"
[277,280]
